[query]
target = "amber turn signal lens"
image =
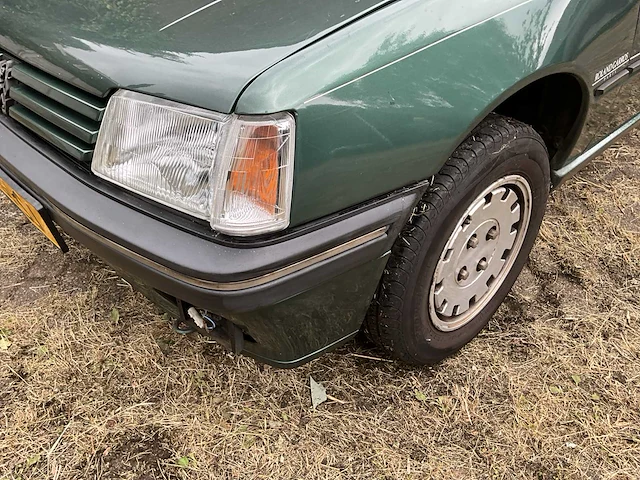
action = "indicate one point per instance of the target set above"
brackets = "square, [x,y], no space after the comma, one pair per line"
[254,193]
[255,170]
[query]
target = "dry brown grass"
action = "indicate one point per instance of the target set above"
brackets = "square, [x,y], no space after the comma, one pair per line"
[550,390]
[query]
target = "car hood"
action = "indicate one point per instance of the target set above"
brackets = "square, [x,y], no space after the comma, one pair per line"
[199,52]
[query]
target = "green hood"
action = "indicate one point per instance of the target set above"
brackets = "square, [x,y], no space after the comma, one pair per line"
[205,59]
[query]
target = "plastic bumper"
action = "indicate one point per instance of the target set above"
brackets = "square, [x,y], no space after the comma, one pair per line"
[295,297]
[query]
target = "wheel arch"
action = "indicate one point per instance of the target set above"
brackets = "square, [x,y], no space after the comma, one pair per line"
[556,106]
[555,102]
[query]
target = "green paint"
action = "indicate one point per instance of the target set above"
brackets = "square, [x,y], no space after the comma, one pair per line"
[205,60]
[383,91]
[401,121]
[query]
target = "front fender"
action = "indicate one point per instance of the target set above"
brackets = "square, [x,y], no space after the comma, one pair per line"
[384,102]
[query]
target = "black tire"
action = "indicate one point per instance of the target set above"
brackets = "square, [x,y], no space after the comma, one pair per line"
[398,319]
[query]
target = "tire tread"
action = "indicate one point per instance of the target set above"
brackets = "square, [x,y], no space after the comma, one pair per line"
[382,324]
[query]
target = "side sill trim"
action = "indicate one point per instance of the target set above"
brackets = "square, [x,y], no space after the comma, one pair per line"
[565,173]
[231,286]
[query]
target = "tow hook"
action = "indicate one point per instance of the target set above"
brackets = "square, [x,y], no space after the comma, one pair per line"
[186,324]
[219,329]
[180,327]
[204,322]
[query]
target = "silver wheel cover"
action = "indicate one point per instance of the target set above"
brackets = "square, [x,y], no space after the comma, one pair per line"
[480,253]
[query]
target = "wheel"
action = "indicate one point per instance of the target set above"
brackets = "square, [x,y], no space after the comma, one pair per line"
[465,246]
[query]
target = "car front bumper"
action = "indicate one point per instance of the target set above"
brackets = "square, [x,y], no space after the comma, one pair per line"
[294,296]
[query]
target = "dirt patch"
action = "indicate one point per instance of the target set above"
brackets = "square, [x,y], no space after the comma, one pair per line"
[142,452]
[551,389]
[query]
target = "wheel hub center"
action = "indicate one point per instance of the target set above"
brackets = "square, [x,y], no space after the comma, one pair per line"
[474,260]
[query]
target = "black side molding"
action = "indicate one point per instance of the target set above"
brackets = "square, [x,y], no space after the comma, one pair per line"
[634,67]
[612,83]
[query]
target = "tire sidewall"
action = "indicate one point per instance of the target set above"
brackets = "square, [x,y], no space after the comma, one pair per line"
[524,156]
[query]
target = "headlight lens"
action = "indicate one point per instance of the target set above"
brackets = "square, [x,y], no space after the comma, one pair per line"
[236,172]
[159,149]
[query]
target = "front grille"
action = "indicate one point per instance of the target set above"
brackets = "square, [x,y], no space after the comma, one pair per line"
[63,115]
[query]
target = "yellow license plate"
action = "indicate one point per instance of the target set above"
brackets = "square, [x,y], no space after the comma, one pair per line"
[34,211]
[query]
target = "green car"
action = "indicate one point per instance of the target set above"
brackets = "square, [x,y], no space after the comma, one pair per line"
[281,174]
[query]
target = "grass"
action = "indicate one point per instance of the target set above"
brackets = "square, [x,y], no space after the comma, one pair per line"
[551,389]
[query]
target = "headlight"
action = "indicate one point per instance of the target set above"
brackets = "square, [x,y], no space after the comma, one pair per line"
[234,171]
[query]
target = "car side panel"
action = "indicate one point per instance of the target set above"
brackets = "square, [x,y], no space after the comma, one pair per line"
[619,50]
[384,102]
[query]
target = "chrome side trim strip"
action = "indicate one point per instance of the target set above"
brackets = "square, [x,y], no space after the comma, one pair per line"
[231,286]
[566,172]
